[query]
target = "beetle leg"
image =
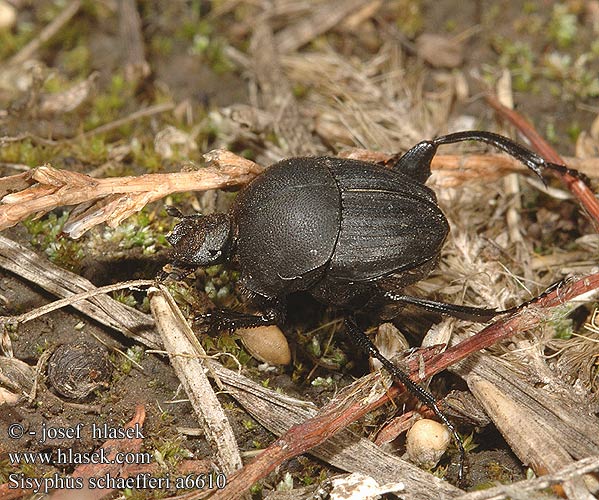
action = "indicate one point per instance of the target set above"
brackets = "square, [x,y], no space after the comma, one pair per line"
[468,313]
[532,160]
[225,319]
[476,314]
[416,163]
[364,343]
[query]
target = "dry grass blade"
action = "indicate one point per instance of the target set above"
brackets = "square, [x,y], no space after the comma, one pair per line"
[524,489]
[185,354]
[112,199]
[47,33]
[277,95]
[322,19]
[29,266]
[136,66]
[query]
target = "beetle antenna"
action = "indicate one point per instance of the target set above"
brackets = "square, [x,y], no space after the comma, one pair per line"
[364,343]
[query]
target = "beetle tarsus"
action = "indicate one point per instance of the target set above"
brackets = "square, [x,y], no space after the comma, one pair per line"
[364,343]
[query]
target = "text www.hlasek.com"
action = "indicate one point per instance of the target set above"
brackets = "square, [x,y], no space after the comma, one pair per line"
[68,456]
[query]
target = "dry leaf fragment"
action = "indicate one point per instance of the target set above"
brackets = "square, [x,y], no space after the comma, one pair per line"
[440,51]
[70,99]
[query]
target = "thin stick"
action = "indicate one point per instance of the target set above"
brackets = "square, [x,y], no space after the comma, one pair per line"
[46,34]
[577,186]
[58,304]
[178,338]
[137,115]
[519,489]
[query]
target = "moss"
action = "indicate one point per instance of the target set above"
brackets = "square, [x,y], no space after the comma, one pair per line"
[144,154]
[248,424]
[125,363]
[11,42]
[574,130]
[519,57]
[107,105]
[410,19]
[46,234]
[77,61]
[142,230]
[170,451]
[563,26]
[125,298]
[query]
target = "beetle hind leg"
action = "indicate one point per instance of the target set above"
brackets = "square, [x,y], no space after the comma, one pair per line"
[364,343]
[532,160]
[468,313]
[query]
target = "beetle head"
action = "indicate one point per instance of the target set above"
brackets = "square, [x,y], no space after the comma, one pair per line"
[201,240]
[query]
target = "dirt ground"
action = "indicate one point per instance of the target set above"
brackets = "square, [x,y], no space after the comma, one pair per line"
[208,75]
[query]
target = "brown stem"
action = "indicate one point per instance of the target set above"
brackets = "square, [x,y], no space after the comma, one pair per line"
[575,185]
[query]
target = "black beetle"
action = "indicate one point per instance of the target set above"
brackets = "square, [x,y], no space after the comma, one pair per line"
[351,233]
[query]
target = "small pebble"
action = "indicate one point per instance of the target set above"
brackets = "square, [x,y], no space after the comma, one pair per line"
[8,15]
[266,343]
[426,442]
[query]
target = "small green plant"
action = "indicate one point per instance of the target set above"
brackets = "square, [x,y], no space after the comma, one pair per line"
[46,234]
[563,26]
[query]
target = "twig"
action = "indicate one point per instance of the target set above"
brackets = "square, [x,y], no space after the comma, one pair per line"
[58,304]
[519,489]
[180,341]
[62,283]
[47,33]
[115,198]
[137,115]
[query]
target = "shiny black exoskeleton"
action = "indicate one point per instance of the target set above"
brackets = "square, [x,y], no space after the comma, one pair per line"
[348,232]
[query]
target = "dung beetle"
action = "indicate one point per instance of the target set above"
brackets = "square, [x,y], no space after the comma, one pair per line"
[350,233]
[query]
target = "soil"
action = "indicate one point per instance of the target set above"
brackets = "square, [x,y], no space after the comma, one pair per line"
[185,50]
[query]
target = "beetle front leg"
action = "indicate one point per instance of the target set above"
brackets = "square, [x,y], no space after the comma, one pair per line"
[224,319]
